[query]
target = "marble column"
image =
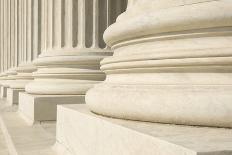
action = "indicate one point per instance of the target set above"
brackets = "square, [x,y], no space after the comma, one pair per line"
[24,43]
[6,46]
[72,48]
[1,35]
[1,40]
[171,64]
[12,49]
[27,34]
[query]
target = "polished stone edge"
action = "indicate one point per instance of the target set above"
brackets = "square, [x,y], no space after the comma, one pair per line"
[38,108]
[85,133]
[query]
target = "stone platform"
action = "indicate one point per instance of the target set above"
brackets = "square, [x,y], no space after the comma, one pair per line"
[21,139]
[13,95]
[3,92]
[3,146]
[37,108]
[84,133]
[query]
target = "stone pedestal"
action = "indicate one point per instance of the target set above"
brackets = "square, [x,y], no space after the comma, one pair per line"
[38,108]
[81,132]
[3,92]
[13,95]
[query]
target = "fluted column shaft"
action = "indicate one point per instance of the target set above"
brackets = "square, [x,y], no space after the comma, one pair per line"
[8,47]
[72,45]
[1,35]
[28,41]
[171,64]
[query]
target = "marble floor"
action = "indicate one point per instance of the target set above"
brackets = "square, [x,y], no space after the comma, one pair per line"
[19,138]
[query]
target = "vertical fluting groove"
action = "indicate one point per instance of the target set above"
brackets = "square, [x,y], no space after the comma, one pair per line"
[5,34]
[19,32]
[28,31]
[81,24]
[6,31]
[88,23]
[39,18]
[103,11]
[25,30]
[75,29]
[31,29]
[67,26]
[21,29]
[36,29]
[95,24]
[9,34]
[12,33]
[16,33]
[62,23]
[1,35]
[43,25]
[108,19]
[108,12]
[57,23]
[50,21]
[0,38]
[23,34]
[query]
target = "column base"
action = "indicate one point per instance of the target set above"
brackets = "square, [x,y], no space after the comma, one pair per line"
[13,95]
[38,108]
[3,91]
[82,132]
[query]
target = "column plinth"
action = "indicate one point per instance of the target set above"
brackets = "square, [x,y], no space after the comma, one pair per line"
[171,64]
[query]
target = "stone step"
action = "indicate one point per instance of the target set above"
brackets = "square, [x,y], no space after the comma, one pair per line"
[83,133]
[3,145]
[22,139]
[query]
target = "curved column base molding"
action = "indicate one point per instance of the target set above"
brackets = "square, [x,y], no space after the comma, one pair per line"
[59,87]
[23,76]
[18,83]
[207,105]
[67,72]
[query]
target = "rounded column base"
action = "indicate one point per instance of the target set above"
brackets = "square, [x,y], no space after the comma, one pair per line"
[206,105]
[22,77]
[59,87]
[67,72]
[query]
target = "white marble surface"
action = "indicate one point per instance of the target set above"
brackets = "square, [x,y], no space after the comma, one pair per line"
[39,108]
[23,139]
[3,146]
[82,132]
